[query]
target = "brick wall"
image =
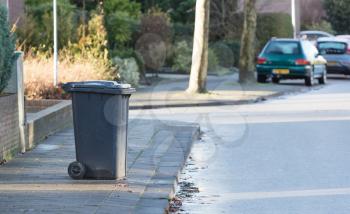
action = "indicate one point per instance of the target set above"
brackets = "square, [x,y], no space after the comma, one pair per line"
[9,131]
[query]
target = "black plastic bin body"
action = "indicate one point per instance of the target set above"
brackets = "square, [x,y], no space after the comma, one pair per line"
[100,115]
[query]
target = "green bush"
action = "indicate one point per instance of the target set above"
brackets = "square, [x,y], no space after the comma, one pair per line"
[93,47]
[182,56]
[235,47]
[7,49]
[131,53]
[37,30]
[119,27]
[213,61]
[224,53]
[128,70]
[182,11]
[273,25]
[338,13]
[120,17]
[268,25]
[182,30]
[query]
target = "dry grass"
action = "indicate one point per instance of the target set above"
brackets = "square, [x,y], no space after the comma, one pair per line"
[38,76]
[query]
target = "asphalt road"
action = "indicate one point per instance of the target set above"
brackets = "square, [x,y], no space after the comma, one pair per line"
[287,155]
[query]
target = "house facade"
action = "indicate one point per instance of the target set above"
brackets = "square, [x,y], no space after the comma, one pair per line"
[15,10]
[277,6]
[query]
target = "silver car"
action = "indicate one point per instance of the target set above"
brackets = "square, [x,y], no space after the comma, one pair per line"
[337,53]
[314,34]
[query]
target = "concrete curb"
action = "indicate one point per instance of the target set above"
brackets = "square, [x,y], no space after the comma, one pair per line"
[195,136]
[222,103]
[161,186]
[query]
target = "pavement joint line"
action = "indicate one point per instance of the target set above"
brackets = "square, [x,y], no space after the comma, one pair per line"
[150,143]
[284,194]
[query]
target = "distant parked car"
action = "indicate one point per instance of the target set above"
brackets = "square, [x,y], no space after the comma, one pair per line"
[313,35]
[337,53]
[346,37]
[291,59]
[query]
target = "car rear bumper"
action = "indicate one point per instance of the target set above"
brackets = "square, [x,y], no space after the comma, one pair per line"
[338,69]
[295,72]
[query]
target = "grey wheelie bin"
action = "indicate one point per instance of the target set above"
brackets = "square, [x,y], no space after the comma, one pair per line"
[100,116]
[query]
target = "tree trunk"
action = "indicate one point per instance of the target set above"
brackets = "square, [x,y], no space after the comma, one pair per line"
[199,69]
[247,55]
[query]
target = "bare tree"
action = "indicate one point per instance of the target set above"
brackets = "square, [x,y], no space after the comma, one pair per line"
[223,23]
[246,63]
[199,69]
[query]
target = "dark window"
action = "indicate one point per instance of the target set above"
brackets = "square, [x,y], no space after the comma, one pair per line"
[332,47]
[283,48]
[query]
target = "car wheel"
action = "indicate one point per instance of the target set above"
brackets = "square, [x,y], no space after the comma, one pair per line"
[323,79]
[275,80]
[262,78]
[310,80]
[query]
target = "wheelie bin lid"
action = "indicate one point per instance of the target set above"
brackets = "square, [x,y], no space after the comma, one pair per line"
[102,87]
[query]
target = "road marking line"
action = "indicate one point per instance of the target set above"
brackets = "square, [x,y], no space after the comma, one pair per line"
[285,194]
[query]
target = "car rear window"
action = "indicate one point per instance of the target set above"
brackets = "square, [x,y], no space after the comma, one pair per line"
[312,37]
[283,48]
[332,47]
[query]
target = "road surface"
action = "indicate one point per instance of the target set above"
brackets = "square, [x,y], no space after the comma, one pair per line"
[287,155]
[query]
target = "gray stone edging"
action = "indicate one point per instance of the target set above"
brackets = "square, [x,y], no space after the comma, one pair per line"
[46,122]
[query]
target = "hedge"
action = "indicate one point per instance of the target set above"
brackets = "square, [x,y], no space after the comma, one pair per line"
[268,25]
[7,49]
[273,25]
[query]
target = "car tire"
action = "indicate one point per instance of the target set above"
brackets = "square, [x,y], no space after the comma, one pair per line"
[323,79]
[262,78]
[275,80]
[310,80]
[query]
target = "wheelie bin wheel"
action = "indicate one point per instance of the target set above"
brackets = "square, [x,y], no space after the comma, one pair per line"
[76,170]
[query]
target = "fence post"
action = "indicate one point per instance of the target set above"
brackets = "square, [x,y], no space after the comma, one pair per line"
[21,101]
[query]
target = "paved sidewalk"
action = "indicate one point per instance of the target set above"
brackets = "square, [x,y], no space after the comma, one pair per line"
[37,182]
[223,90]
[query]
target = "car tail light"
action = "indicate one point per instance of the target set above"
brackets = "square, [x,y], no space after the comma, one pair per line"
[348,51]
[261,60]
[302,62]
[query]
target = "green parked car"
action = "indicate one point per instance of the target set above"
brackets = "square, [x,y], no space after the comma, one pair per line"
[291,59]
